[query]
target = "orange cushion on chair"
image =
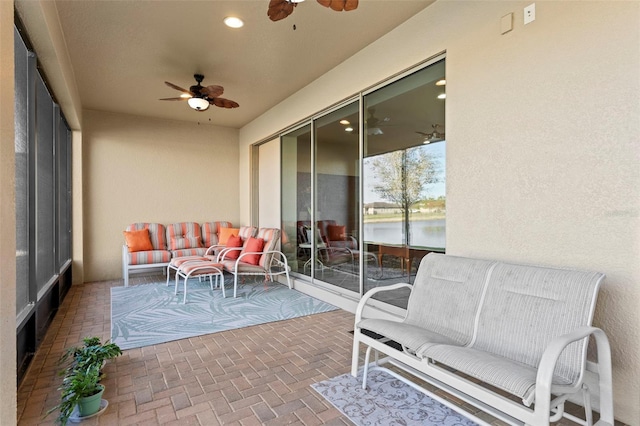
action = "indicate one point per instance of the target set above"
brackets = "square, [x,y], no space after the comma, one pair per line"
[253,245]
[337,232]
[233,241]
[138,240]
[225,233]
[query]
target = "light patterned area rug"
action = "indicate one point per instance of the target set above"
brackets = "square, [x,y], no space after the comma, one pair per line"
[149,314]
[387,401]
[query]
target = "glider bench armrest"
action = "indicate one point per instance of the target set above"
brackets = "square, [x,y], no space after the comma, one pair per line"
[369,294]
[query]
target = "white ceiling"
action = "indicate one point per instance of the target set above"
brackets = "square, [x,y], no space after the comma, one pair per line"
[121,52]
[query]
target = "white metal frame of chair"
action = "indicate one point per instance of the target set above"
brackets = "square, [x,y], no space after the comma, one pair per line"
[202,271]
[266,271]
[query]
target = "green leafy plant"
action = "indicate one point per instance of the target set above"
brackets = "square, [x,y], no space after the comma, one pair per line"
[93,352]
[82,374]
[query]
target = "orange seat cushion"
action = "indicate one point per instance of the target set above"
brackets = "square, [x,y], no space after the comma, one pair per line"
[138,240]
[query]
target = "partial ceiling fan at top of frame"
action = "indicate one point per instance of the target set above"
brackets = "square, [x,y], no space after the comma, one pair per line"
[280,9]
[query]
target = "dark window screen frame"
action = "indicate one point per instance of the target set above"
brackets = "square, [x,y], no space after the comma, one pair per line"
[43,183]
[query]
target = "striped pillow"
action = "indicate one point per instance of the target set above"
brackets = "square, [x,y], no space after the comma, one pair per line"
[185,243]
[183,230]
[211,231]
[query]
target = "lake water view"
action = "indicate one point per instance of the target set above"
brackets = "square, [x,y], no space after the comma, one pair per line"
[423,233]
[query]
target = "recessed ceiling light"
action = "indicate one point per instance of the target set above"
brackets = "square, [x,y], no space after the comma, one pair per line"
[348,129]
[441,82]
[345,122]
[233,22]
[442,96]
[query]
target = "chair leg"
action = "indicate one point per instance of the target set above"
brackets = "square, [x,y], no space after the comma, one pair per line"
[177,281]
[288,279]
[355,354]
[168,274]
[235,285]
[184,298]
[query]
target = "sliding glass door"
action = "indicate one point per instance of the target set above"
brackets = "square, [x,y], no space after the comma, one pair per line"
[395,157]
[296,198]
[336,189]
[403,177]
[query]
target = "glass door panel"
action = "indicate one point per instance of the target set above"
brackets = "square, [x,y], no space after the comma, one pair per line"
[337,186]
[296,198]
[403,177]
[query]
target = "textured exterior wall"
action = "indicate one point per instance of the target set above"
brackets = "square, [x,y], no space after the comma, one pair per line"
[137,169]
[542,142]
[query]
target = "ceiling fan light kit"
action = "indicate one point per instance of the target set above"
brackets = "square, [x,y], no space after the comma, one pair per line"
[198,104]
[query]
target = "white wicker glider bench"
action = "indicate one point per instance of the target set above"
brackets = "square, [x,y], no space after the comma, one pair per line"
[508,339]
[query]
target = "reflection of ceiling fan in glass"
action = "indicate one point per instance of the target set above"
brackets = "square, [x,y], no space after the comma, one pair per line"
[433,136]
[374,123]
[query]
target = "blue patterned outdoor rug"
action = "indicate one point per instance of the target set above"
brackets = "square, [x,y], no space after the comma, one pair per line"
[387,401]
[149,314]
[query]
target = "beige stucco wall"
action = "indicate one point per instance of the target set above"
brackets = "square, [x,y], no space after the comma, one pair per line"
[8,372]
[542,142]
[137,169]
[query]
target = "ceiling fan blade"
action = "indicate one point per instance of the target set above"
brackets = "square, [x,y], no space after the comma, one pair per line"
[173,86]
[212,91]
[174,99]
[280,9]
[223,103]
[340,5]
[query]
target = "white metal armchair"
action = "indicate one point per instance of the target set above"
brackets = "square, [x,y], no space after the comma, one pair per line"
[259,257]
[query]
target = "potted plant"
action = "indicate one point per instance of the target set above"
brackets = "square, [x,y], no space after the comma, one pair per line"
[81,382]
[79,387]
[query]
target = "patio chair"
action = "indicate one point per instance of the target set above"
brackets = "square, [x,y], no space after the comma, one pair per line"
[214,250]
[258,257]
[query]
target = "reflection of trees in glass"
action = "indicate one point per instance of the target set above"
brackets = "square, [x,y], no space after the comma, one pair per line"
[402,177]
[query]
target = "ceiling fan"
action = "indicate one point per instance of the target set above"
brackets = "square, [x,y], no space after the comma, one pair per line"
[433,136]
[280,9]
[200,97]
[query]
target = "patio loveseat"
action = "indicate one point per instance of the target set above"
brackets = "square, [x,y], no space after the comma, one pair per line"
[153,245]
[506,338]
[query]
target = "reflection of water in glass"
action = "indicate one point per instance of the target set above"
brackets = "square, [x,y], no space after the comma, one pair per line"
[424,233]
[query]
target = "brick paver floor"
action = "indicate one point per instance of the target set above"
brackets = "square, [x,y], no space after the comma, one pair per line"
[258,375]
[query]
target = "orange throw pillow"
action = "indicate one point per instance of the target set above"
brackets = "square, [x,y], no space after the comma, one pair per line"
[253,245]
[225,233]
[138,240]
[337,232]
[233,241]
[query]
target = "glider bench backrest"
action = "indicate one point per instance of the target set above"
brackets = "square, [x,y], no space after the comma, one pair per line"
[495,322]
